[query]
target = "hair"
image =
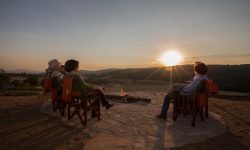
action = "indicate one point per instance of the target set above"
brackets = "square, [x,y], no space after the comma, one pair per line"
[71,65]
[200,68]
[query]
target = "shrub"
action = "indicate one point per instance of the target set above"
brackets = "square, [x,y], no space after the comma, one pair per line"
[32,81]
[16,82]
[4,79]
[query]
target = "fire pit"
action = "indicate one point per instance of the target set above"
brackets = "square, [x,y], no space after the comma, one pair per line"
[127,99]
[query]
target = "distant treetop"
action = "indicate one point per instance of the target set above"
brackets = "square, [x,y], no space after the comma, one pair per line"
[2,71]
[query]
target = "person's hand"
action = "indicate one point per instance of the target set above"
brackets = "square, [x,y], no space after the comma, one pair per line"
[101,89]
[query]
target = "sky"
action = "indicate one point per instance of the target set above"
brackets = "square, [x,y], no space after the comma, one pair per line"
[122,33]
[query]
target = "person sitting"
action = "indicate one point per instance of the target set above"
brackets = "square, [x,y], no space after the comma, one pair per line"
[79,85]
[55,74]
[200,70]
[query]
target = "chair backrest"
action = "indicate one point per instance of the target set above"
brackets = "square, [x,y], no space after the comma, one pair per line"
[211,87]
[207,87]
[67,89]
[53,94]
[46,84]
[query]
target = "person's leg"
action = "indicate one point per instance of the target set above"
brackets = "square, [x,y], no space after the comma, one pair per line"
[105,101]
[165,105]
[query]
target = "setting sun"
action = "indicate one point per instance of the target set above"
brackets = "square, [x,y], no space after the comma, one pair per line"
[171,58]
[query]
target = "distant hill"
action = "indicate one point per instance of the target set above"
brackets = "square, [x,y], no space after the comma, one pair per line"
[87,72]
[229,77]
[23,71]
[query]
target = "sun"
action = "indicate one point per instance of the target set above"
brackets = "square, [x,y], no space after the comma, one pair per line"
[171,58]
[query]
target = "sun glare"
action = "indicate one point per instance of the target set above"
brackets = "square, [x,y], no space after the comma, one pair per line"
[170,58]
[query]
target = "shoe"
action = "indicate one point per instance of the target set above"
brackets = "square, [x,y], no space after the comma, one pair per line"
[109,105]
[161,116]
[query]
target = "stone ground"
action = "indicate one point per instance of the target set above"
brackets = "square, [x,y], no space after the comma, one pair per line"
[134,126]
[124,126]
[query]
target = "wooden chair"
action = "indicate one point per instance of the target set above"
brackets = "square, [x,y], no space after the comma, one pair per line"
[196,103]
[73,99]
[182,105]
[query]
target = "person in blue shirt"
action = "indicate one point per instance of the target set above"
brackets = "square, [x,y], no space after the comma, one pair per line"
[200,70]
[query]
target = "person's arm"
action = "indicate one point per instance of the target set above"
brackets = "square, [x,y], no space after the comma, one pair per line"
[192,87]
[82,84]
[90,87]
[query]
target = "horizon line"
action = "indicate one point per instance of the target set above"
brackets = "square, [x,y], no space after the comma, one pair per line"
[40,71]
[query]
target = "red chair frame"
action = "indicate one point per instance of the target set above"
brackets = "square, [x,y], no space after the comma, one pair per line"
[86,103]
[193,104]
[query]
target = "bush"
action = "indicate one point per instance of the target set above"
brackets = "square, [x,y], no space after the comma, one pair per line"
[4,79]
[16,82]
[32,81]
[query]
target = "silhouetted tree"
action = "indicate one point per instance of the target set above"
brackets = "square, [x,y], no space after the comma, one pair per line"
[2,71]
[4,78]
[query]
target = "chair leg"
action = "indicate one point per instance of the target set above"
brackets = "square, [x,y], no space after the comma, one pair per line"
[185,102]
[69,105]
[194,113]
[190,104]
[80,117]
[77,106]
[62,108]
[174,114]
[206,109]
[85,112]
[99,108]
[194,118]
[54,106]
[201,114]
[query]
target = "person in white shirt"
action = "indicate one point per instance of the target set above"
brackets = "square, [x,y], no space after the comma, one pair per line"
[55,73]
[200,70]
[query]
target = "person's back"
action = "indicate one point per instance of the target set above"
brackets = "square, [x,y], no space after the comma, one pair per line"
[55,74]
[56,78]
[78,84]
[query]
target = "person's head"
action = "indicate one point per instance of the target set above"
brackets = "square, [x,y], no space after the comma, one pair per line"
[54,65]
[71,65]
[200,68]
[63,69]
